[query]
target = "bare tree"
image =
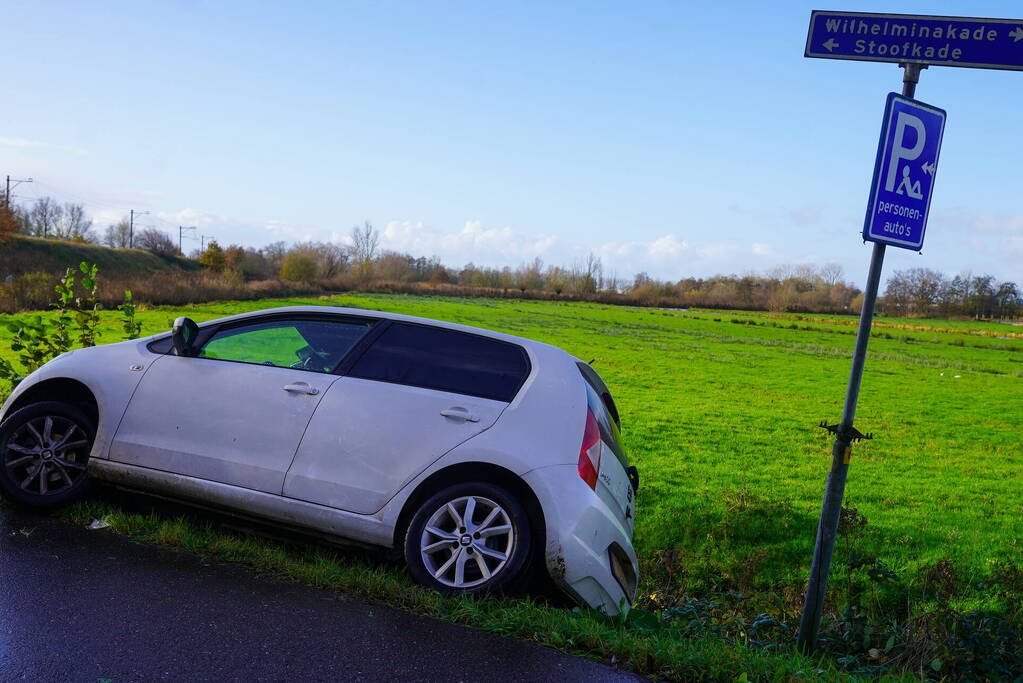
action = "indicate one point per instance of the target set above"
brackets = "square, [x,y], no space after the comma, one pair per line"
[592,275]
[117,235]
[832,273]
[157,242]
[274,253]
[44,216]
[330,259]
[72,224]
[333,258]
[365,241]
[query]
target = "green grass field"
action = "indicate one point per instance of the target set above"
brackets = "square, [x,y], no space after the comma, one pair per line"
[719,412]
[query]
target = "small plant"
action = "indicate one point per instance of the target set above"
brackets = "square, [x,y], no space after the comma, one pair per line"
[33,339]
[131,328]
[65,289]
[37,341]
[78,309]
[86,307]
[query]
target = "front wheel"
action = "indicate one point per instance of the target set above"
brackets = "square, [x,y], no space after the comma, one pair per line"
[469,538]
[44,448]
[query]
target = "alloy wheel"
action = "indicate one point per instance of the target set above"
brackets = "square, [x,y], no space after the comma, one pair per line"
[467,541]
[46,455]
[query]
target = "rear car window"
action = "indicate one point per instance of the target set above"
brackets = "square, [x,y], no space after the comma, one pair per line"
[598,398]
[446,360]
[597,384]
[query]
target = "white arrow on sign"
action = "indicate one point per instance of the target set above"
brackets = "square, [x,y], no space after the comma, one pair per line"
[1016,35]
[929,168]
[831,44]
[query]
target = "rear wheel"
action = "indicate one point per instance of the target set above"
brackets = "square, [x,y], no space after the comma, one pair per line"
[469,538]
[44,449]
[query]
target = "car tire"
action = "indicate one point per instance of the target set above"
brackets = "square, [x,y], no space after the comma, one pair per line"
[44,449]
[484,551]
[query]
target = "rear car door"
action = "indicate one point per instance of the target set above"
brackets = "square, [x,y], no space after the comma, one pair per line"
[236,412]
[415,394]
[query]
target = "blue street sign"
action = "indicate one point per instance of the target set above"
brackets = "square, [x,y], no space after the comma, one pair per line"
[907,158]
[916,39]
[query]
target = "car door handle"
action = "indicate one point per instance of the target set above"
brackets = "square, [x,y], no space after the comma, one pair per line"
[460,413]
[302,387]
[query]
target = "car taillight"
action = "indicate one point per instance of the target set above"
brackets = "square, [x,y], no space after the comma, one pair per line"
[589,453]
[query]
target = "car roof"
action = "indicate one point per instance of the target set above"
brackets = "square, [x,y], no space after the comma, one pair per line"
[384,315]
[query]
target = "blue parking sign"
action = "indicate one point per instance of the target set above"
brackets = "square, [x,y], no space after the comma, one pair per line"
[907,159]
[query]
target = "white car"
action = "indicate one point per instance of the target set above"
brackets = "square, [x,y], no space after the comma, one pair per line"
[479,455]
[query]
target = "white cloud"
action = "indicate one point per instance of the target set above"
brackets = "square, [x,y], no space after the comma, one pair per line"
[473,242]
[664,248]
[23,143]
[719,251]
[508,246]
[228,230]
[984,223]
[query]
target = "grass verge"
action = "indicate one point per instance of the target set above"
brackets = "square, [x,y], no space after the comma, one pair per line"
[627,644]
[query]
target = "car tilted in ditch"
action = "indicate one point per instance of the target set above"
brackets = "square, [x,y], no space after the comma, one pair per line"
[481,456]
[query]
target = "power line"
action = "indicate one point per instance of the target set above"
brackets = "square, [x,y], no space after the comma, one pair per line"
[68,195]
[7,193]
[133,214]
[131,226]
[181,230]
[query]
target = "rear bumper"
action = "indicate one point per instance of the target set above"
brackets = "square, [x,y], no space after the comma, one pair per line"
[582,534]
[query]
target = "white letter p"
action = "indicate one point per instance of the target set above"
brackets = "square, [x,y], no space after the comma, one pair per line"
[899,151]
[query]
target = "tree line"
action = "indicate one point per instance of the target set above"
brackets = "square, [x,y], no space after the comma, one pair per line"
[926,292]
[361,261]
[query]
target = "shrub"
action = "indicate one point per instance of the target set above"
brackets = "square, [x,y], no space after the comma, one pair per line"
[32,291]
[298,267]
[9,223]
[213,258]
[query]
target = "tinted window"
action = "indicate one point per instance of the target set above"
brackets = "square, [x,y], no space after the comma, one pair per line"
[316,345]
[446,360]
[599,400]
[597,384]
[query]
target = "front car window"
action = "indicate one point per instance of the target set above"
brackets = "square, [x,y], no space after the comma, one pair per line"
[315,345]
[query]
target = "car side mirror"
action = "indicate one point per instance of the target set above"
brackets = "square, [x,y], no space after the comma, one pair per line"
[183,334]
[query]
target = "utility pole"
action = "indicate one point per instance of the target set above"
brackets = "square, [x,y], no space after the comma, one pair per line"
[7,192]
[131,226]
[181,229]
[203,242]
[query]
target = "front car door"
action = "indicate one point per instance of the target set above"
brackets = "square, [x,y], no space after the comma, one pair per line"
[236,412]
[415,394]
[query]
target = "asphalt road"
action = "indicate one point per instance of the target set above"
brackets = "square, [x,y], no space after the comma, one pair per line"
[81,605]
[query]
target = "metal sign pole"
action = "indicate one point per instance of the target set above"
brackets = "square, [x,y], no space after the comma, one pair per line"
[845,434]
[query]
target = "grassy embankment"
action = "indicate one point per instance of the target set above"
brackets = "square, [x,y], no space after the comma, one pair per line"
[36,255]
[719,413]
[31,266]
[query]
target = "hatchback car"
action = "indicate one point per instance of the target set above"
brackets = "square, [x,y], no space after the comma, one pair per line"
[478,455]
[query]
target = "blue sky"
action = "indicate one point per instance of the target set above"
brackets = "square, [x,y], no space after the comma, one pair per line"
[677,138]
